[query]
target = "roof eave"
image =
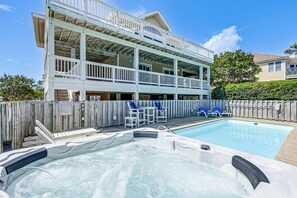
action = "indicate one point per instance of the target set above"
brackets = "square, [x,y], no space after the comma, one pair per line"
[39,28]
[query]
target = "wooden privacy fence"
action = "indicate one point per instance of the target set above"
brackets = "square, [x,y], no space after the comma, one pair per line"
[17,120]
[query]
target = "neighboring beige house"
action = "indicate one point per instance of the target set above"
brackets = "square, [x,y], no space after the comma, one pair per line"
[276,67]
[94,51]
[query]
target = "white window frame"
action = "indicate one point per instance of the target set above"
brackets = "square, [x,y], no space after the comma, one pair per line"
[147,65]
[168,69]
[274,66]
[280,66]
[269,65]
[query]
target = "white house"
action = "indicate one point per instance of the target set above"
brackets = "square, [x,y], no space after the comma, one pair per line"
[94,51]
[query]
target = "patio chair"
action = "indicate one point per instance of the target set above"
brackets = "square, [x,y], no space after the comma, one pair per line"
[161,114]
[134,111]
[220,112]
[205,112]
[47,137]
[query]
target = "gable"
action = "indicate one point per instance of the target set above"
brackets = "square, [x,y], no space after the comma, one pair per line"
[156,19]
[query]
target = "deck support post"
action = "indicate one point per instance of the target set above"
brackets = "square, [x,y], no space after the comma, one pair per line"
[83,55]
[208,83]
[201,77]
[175,67]
[50,73]
[136,67]
[82,95]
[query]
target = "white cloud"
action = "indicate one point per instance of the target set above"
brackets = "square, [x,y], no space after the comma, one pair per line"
[6,8]
[138,12]
[227,40]
[12,61]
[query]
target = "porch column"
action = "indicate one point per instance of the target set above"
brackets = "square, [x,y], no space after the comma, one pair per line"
[82,95]
[175,67]
[50,68]
[208,82]
[201,77]
[83,55]
[73,53]
[136,67]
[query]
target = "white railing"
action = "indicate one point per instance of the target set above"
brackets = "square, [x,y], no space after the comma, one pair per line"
[195,84]
[99,71]
[184,82]
[167,80]
[124,74]
[205,84]
[149,78]
[71,68]
[67,67]
[103,12]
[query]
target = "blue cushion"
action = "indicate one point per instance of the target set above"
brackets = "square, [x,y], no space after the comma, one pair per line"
[203,109]
[158,105]
[133,105]
[218,109]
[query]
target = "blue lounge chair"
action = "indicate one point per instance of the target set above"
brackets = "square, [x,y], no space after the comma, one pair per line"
[161,115]
[205,112]
[220,112]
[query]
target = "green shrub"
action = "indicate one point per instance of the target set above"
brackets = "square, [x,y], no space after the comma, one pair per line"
[273,90]
[218,93]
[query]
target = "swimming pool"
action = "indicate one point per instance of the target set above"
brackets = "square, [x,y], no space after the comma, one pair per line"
[255,138]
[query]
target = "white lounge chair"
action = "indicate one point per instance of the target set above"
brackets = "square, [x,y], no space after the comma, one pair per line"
[220,112]
[47,137]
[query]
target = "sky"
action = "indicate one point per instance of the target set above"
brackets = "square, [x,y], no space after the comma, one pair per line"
[255,26]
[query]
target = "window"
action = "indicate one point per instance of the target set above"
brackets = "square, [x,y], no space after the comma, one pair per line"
[152,30]
[275,67]
[168,71]
[145,67]
[270,67]
[278,66]
[292,66]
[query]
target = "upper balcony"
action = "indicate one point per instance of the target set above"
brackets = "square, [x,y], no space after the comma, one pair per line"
[136,27]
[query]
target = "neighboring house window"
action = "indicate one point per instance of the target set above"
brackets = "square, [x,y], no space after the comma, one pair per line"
[270,67]
[292,66]
[278,66]
[275,67]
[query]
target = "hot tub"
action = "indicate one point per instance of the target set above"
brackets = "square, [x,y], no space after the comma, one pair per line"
[142,163]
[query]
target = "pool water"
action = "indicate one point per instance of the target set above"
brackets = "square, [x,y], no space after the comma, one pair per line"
[131,170]
[255,138]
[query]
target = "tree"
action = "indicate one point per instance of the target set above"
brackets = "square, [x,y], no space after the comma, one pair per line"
[39,89]
[16,88]
[233,67]
[292,49]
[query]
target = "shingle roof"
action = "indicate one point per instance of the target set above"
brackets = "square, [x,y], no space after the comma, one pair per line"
[266,57]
